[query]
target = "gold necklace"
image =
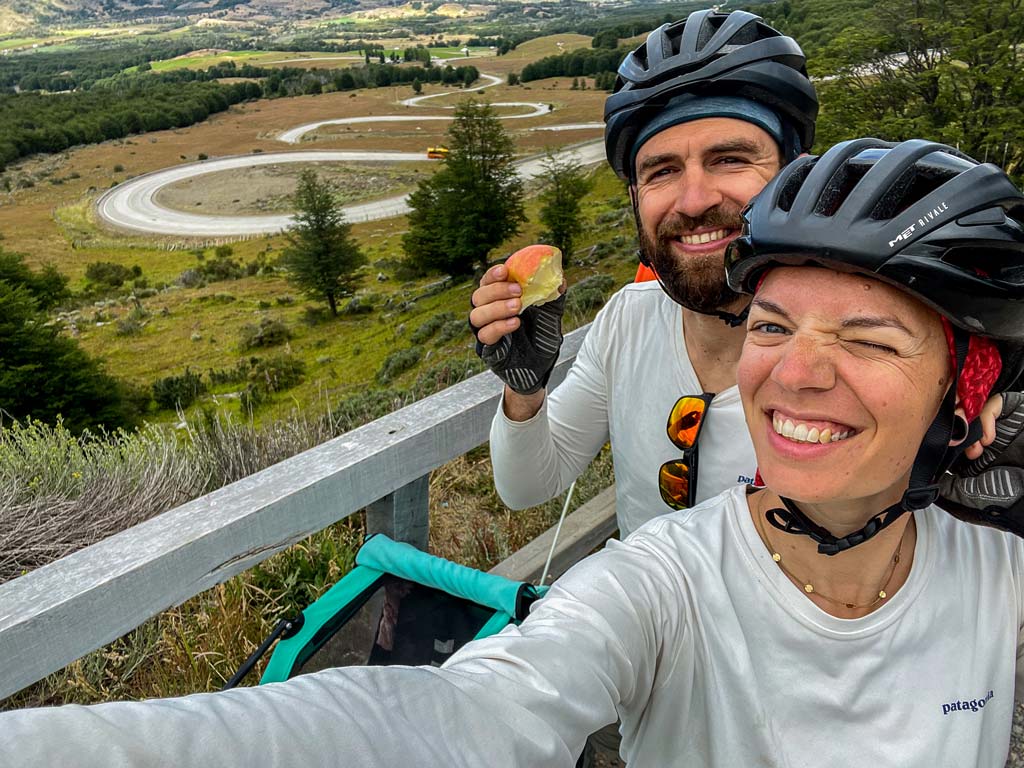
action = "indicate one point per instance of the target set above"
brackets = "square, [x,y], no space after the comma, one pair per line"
[809,588]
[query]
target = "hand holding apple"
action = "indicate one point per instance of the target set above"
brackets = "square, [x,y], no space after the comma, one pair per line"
[517,317]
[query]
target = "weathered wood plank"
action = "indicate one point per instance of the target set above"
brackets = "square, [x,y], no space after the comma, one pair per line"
[54,615]
[403,515]
[582,531]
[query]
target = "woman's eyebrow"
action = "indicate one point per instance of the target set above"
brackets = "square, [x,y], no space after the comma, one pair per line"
[867,321]
[883,321]
[769,306]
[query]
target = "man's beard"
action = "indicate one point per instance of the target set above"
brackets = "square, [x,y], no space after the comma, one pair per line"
[695,282]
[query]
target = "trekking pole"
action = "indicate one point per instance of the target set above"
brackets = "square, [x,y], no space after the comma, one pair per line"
[558,530]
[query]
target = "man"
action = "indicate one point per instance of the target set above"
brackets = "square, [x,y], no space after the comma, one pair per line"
[704,114]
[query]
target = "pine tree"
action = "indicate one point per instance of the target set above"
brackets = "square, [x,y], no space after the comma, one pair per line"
[473,203]
[564,185]
[47,376]
[321,256]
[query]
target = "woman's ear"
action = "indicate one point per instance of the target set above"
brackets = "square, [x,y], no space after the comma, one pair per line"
[959,427]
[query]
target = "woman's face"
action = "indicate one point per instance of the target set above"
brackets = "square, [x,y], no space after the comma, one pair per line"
[840,377]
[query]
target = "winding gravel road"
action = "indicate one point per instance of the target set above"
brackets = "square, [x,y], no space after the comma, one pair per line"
[132,205]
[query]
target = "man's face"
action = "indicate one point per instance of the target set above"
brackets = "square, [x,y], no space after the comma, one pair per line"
[693,180]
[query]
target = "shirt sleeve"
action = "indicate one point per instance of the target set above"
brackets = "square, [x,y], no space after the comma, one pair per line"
[528,696]
[537,459]
[1017,551]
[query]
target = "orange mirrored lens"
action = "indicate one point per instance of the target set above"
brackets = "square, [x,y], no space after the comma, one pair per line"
[684,421]
[674,484]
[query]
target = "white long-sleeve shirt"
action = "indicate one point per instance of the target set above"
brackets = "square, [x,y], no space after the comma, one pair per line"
[628,374]
[688,632]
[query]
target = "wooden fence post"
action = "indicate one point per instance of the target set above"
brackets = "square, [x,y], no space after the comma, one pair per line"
[403,515]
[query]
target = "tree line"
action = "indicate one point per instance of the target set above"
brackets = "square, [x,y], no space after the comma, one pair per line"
[585,61]
[36,123]
[89,63]
[32,123]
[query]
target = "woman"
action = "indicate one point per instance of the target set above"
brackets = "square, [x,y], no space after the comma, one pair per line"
[722,635]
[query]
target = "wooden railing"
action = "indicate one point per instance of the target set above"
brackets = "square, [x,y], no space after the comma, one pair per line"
[60,612]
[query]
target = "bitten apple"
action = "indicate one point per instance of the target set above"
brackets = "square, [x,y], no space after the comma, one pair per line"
[538,269]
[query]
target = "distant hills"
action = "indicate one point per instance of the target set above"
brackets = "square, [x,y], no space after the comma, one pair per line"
[23,13]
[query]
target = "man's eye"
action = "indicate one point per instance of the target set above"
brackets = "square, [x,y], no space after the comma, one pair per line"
[765,327]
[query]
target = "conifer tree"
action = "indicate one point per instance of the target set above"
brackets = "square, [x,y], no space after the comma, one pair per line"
[321,257]
[565,183]
[46,376]
[473,203]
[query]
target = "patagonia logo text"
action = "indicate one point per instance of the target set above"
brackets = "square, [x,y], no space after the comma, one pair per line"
[973,705]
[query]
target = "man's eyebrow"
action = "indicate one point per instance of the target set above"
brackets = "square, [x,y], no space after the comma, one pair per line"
[736,145]
[743,146]
[869,321]
[653,160]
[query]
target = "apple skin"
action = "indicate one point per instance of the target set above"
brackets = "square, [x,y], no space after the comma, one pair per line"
[538,269]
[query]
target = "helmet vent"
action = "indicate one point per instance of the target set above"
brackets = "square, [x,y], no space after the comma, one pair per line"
[794,181]
[914,184]
[838,188]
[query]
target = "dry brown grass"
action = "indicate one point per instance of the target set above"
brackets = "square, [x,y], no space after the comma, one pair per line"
[198,645]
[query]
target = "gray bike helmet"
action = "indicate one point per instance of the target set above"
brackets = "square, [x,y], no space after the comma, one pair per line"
[710,54]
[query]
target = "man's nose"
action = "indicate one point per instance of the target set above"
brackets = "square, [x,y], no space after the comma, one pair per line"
[806,362]
[697,193]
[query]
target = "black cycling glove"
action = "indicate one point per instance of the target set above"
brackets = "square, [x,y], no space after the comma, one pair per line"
[525,358]
[989,489]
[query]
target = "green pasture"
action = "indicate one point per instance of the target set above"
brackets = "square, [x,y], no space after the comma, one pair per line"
[456,53]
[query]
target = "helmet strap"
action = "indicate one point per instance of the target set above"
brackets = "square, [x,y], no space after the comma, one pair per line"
[934,457]
[733,320]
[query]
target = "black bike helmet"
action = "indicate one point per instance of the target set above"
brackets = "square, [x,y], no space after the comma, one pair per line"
[920,216]
[710,53]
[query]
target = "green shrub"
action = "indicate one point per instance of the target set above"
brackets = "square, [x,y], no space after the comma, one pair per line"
[220,376]
[191,278]
[357,305]
[315,315]
[221,268]
[397,363]
[109,274]
[453,329]
[268,333]
[128,326]
[425,331]
[277,373]
[588,293]
[178,391]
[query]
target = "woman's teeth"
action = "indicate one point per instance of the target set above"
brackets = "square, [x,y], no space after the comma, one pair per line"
[704,237]
[801,433]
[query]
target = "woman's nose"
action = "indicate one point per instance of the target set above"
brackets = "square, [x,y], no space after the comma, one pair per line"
[806,363]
